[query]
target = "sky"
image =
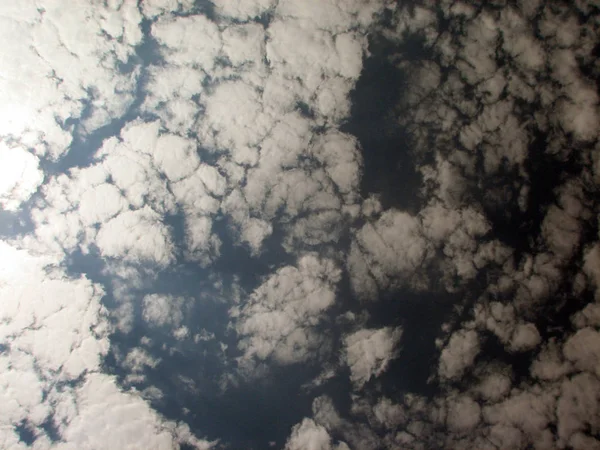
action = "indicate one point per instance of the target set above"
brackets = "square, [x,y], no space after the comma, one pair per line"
[299,224]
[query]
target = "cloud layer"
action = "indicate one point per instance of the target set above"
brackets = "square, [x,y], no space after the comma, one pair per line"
[195,220]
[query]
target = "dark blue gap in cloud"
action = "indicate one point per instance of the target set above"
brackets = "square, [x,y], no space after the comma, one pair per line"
[421,316]
[389,165]
[498,195]
[236,259]
[25,432]
[247,416]
[200,7]
[16,223]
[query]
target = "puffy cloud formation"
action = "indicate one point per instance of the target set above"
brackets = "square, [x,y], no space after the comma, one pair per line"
[216,88]
[20,176]
[128,417]
[54,334]
[513,362]
[309,435]
[148,138]
[164,310]
[280,319]
[368,352]
[459,354]
[64,65]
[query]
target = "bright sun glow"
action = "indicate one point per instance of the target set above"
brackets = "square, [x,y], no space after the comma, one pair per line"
[19,176]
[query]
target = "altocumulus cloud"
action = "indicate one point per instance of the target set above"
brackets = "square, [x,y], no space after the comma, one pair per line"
[142,142]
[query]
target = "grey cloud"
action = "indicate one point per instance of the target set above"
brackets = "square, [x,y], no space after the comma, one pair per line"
[368,352]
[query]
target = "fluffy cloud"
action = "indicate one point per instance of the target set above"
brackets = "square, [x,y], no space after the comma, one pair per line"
[368,352]
[386,252]
[101,405]
[459,354]
[193,40]
[279,321]
[55,331]
[54,319]
[309,435]
[20,176]
[64,65]
[237,121]
[164,310]
[243,10]
[136,236]
[463,414]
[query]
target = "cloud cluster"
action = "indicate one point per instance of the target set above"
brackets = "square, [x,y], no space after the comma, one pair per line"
[54,335]
[239,92]
[65,65]
[233,121]
[118,204]
[232,113]
[309,435]
[368,352]
[504,124]
[20,176]
[280,321]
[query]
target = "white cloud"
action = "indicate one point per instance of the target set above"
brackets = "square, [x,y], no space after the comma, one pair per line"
[153,8]
[501,319]
[389,414]
[102,406]
[80,63]
[494,386]
[550,364]
[170,92]
[387,252]
[136,236]
[368,352]
[22,391]
[591,266]
[243,9]
[54,329]
[51,318]
[193,40]
[252,230]
[463,414]
[201,245]
[64,61]
[244,44]
[163,309]
[175,157]
[459,354]
[136,362]
[339,154]
[577,405]
[529,411]
[310,54]
[526,337]
[310,436]
[100,203]
[19,176]
[583,350]
[234,120]
[236,85]
[358,435]
[279,319]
